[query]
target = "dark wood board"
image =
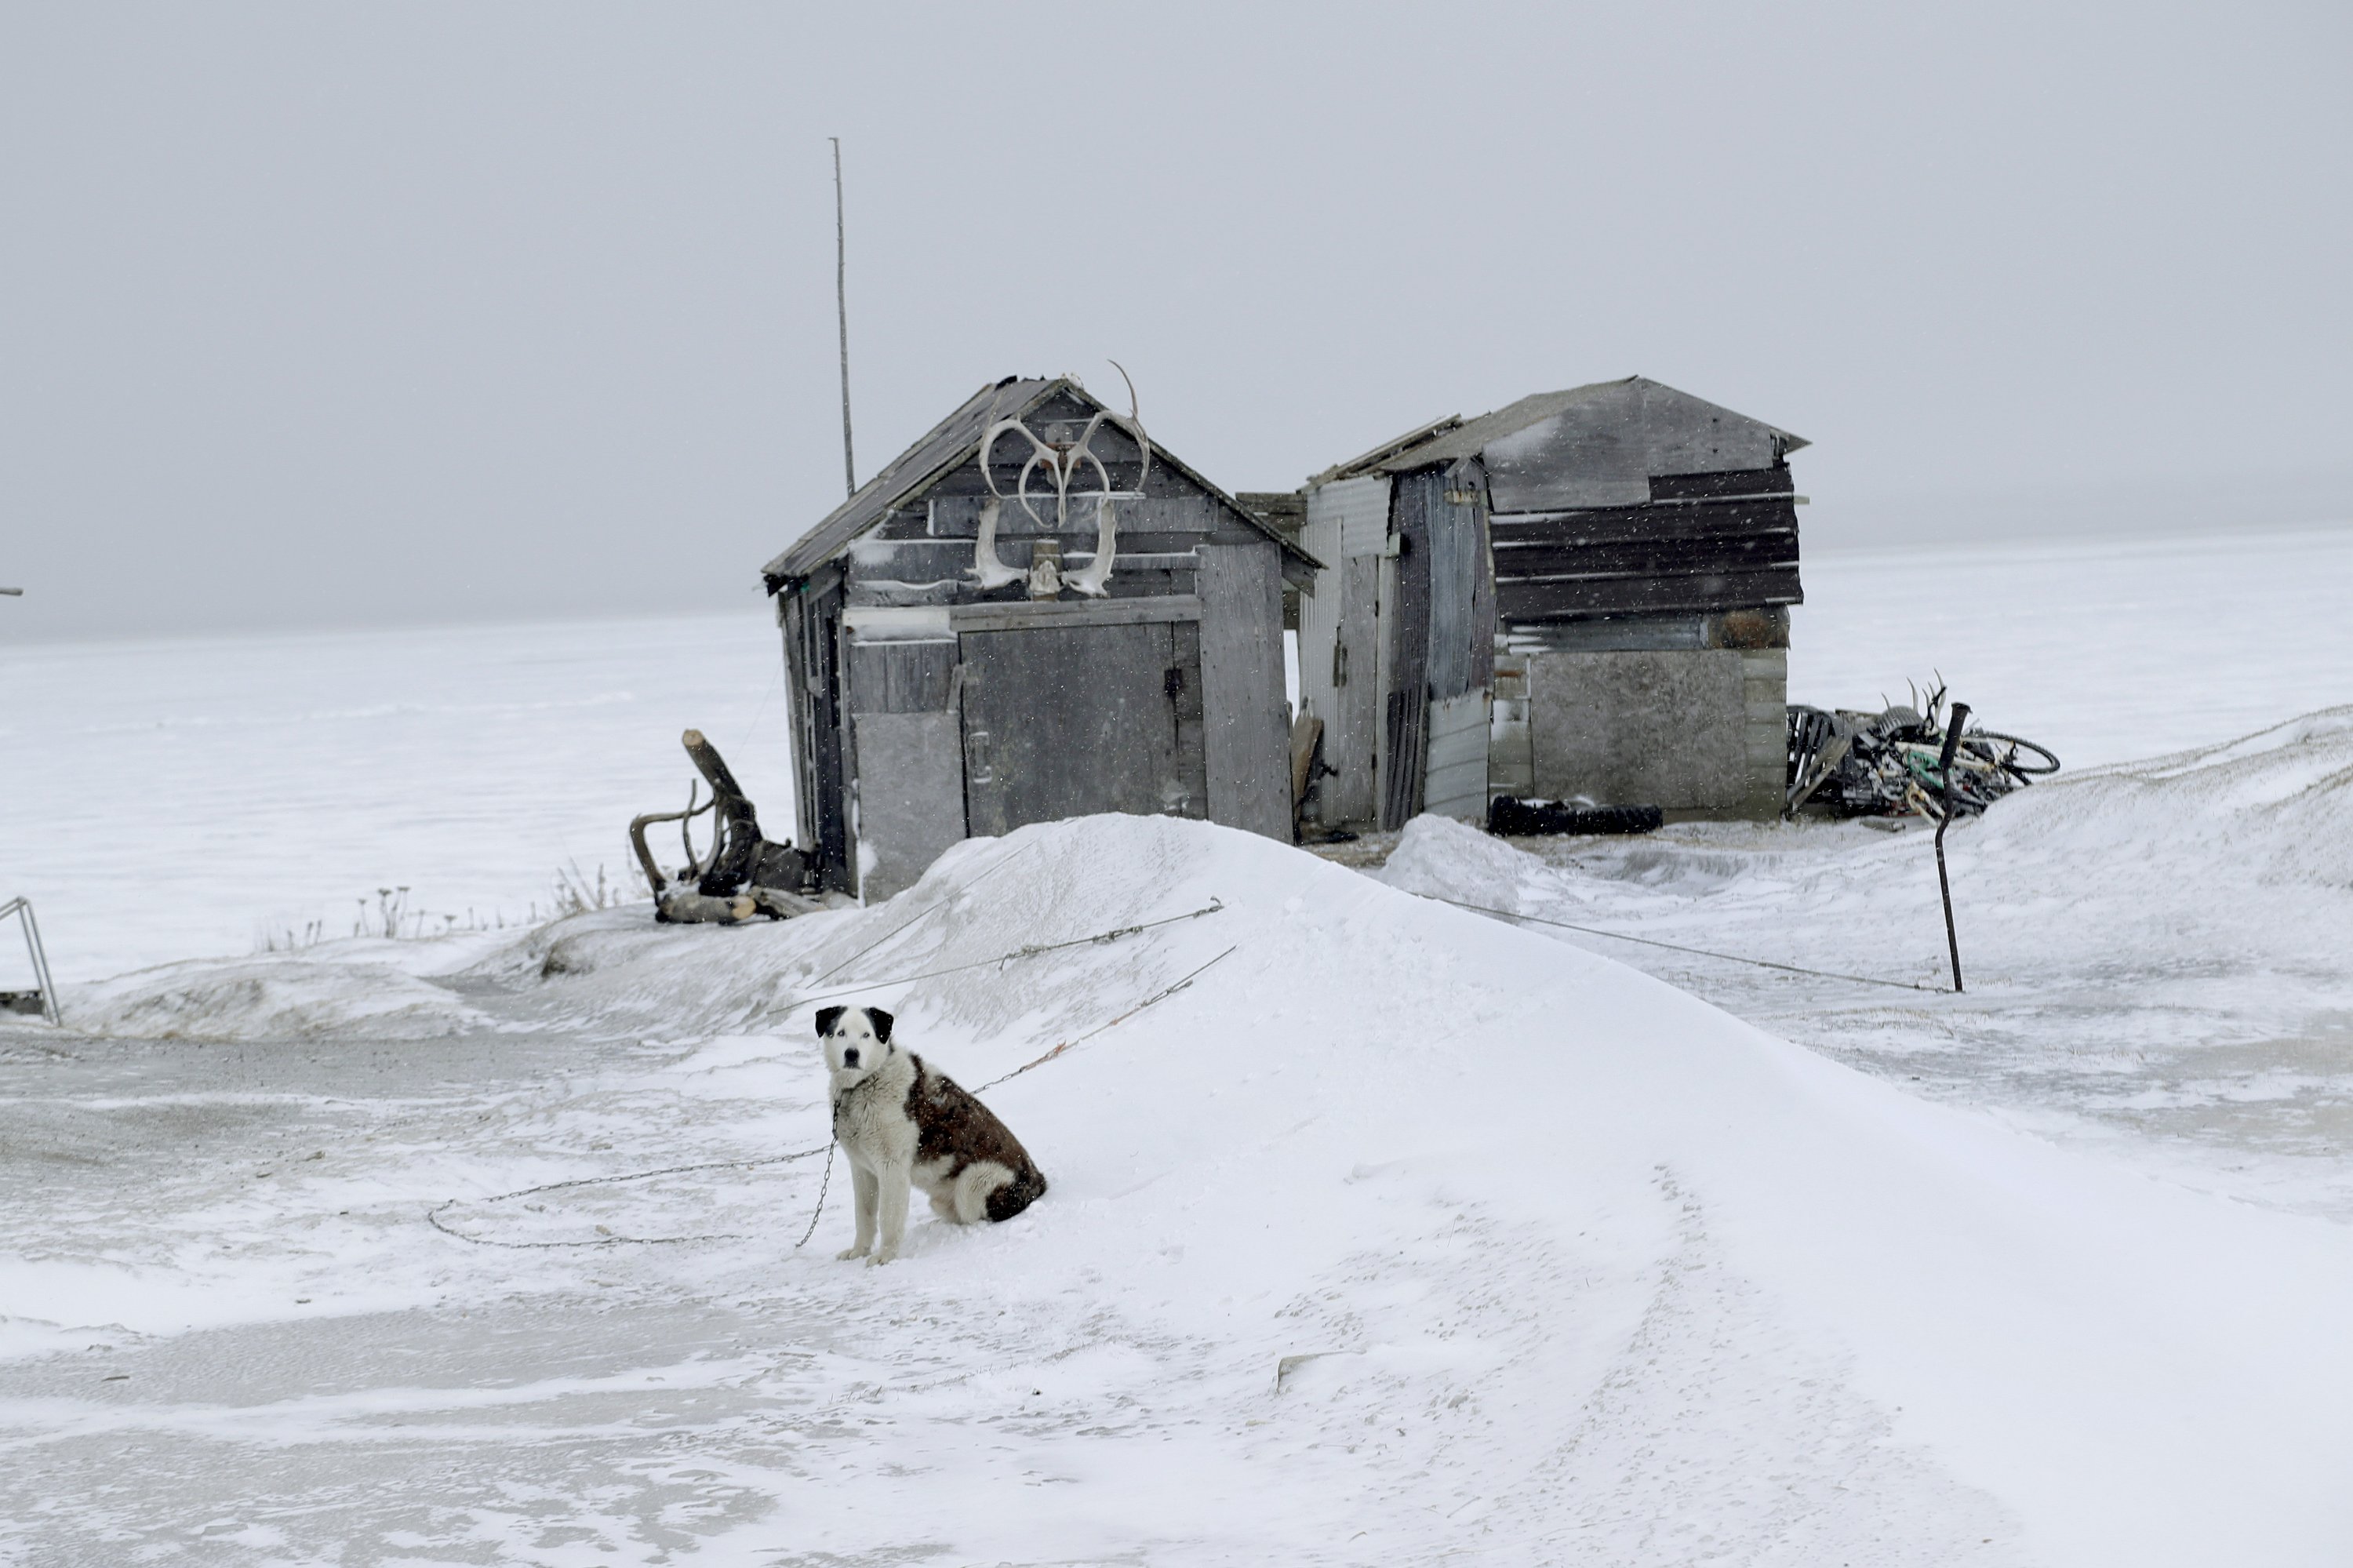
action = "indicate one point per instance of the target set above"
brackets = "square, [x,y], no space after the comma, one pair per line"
[1753,552]
[1620,595]
[1739,482]
[1630,524]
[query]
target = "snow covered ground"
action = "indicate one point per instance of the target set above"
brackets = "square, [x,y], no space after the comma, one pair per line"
[1585,1270]
[1402,1234]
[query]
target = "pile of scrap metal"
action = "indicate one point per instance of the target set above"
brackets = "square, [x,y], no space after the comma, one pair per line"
[742,875]
[1885,764]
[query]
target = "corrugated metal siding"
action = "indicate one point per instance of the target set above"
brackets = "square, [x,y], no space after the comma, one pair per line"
[1461,618]
[1405,640]
[1361,507]
[1456,784]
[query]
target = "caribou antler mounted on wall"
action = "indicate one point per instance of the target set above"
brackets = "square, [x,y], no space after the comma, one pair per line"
[1063,462]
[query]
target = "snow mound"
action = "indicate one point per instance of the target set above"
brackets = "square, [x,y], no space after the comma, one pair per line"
[1438,857]
[275,996]
[2274,807]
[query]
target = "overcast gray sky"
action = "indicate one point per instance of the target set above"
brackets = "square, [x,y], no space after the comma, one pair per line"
[357,313]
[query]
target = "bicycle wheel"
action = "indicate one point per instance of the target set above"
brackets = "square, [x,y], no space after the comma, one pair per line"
[2050,761]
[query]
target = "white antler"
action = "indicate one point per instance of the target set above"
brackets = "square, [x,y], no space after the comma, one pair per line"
[1040,452]
[1095,581]
[986,566]
[1062,466]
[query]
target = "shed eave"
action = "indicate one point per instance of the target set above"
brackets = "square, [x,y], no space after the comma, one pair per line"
[896,484]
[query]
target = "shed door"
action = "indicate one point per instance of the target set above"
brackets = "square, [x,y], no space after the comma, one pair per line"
[1066,721]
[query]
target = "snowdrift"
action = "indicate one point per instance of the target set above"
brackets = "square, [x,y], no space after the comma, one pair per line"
[2273,808]
[1588,1267]
[1401,1232]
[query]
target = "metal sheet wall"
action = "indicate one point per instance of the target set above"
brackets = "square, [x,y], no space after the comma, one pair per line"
[1339,664]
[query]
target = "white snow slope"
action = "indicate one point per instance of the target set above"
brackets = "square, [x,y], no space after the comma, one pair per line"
[1590,1270]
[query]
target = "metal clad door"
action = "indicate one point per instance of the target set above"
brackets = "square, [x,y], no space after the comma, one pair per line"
[1067,721]
[1349,522]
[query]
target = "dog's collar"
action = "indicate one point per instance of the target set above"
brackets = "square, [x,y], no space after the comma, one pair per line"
[841,1097]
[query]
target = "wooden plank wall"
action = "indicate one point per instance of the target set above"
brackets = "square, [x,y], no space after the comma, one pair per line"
[1063,721]
[1242,687]
[1703,542]
[901,677]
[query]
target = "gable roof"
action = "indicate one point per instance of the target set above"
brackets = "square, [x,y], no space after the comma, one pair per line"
[1450,440]
[947,446]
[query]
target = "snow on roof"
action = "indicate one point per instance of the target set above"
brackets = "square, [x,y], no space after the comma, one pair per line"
[1450,440]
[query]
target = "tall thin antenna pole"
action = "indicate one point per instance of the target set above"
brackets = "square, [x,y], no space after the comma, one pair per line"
[841,304]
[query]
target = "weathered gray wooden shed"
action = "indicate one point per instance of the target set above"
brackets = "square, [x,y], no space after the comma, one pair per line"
[1583,594]
[963,665]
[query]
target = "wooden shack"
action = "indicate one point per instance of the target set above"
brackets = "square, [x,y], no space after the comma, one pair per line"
[964,658]
[1584,595]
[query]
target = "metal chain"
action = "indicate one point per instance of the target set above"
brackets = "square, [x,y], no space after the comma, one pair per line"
[433,1217]
[819,1209]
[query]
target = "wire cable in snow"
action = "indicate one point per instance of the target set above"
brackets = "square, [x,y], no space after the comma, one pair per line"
[1029,951]
[1161,995]
[932,908]
[1679,947]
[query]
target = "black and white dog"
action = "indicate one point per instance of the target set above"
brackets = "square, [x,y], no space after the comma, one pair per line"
[900,1123]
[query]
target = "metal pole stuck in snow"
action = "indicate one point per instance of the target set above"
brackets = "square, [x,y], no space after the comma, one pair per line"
[1944,884]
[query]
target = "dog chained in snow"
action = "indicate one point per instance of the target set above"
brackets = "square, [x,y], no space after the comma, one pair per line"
[902,1124]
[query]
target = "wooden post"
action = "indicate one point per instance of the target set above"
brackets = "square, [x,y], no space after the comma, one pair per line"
[841,312]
